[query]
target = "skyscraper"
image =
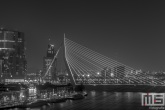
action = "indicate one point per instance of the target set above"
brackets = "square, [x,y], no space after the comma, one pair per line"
[13,64]
[119,72]
[47,60]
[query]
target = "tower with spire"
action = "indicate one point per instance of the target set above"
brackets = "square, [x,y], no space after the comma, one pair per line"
[51,76]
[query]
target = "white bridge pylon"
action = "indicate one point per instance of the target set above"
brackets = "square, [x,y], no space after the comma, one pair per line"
[91,68]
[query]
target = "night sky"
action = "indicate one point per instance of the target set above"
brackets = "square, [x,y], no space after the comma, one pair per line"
[131,32]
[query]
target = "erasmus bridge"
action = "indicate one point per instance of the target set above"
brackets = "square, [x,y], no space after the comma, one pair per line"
[92,68]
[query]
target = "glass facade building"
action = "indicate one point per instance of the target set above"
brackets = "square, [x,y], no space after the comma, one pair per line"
[13,63]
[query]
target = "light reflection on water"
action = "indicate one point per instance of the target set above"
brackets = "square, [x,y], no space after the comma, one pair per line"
[61,105]
[100,101]
[93,93]
[104,93]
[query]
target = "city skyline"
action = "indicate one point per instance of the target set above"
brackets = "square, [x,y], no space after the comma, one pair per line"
[129,32]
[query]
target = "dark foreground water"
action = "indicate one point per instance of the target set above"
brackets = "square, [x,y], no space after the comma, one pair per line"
[100,101]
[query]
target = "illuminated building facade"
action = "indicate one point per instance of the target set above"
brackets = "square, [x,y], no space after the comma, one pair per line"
[47,60]
[13,64]
[62,77]
[119,72]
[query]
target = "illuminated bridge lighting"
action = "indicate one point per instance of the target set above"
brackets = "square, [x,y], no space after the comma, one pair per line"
[95,68]
[7,41]
[92,68]
[6,48]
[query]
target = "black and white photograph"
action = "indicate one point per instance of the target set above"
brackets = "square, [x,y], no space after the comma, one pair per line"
[82,55]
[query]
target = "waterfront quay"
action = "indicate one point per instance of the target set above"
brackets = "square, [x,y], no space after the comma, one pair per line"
[98,100]
[30,96]
[64,97]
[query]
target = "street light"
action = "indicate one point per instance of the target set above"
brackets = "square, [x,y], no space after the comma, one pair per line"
[112,75]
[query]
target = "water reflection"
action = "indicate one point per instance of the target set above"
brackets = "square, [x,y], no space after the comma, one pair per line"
[99,101]
[129,96]
[93,93]
[62,105]
[104,93]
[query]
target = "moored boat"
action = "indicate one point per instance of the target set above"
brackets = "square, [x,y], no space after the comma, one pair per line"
[70,97]
[85,93]
[32,104]
[57,100]
[76,97]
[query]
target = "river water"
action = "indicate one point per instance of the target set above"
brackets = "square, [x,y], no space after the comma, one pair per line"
[97,100]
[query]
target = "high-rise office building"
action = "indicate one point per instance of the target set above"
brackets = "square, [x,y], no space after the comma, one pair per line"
[119,72]
[50,74]
[13,64]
